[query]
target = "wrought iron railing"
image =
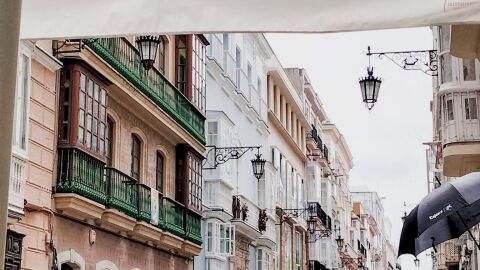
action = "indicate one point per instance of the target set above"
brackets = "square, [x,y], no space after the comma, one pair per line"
[313,134]
[174,216]
[125,58]
[87,176]
[316,211]
[82,174]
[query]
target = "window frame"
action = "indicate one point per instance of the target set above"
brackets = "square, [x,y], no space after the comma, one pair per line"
[21,115]
[69,108]
[136,156]
[298,250]
[218,243]
[159,172]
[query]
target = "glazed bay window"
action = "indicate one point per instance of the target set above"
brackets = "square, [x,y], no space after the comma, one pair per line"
[190,55]
[263,259]
[188,182]
[220,238]
[83,110]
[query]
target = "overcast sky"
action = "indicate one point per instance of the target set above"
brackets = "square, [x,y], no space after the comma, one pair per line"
[386,143]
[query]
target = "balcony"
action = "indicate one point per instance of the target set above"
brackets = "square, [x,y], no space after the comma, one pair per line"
[18,167]
[459,127]
[317,212]
[124,58]
[316,146]
[88,190]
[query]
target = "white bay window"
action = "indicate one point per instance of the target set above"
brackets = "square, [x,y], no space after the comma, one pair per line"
[220,238]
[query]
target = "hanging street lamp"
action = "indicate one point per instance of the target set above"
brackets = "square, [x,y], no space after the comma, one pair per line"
[370,85]
[258,165]
[340,242]
[148,47]
[423,60]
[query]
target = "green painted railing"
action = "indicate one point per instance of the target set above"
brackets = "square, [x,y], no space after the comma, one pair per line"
[125,58]
[193,226]
[87,176]
[144,203]
[174,217]
[82,174]
[122,192]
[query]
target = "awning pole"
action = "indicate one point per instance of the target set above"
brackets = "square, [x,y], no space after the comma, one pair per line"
[9,35]
[468,230]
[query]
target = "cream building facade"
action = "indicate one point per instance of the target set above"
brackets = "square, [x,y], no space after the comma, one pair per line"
[454,151]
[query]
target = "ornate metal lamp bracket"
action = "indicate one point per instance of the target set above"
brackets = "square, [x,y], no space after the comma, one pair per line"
[423,60]
[318,234]
[224,154]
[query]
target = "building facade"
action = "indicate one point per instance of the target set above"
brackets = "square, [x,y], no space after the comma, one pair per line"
[112,160]
[235,214]
[454,151]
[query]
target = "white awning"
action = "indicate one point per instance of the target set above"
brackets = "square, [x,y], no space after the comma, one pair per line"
[47,19]
[465,41]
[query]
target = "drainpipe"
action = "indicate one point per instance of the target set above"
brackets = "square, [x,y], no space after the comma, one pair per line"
[9,41]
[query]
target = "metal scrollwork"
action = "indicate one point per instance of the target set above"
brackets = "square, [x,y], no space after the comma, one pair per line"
[318,234]
[424,60]
[219,155]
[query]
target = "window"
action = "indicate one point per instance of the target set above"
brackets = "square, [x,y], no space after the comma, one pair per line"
[449,110]
[162,55]
[21,103]
[262,259]
[109,142]
[212,133]
[238,66]
[469,70]
[210,237]
[446,68]
[299,251]
[159,172]
[288,247]
[199,83]
[444,32]
[249,73]
[195,181]
[92,114]
[278,243]
[470,108]
[220,238]
[135,157]
[182,61]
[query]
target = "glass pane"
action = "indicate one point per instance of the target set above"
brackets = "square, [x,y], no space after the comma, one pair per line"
[469,70]
[446,68]
[444,38]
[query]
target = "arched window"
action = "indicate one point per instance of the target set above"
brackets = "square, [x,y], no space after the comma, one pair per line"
[136,156]
[70,260]
[159,172]
[109,142]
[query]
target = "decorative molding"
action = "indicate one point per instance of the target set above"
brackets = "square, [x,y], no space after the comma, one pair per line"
[105,265]
[47,60]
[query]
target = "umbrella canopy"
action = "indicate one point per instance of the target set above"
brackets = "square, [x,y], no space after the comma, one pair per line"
[444,214]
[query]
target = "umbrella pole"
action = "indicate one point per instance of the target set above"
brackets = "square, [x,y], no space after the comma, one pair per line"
[468,230]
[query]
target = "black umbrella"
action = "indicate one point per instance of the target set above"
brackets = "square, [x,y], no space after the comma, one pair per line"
[444,214]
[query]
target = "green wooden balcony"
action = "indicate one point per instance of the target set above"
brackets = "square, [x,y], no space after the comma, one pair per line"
[82,174]
[193,226]
[125,58]
[174,217]
[122,192]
